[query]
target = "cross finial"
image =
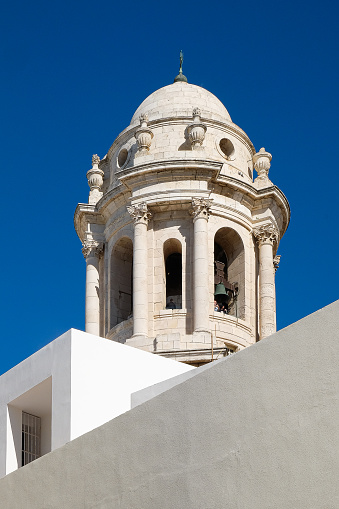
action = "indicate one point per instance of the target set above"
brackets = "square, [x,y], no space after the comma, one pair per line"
[180,76]
[181,60]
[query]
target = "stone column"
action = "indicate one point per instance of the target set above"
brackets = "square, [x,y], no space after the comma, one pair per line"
[141,216]
[266,236]
[201,305]
[92,251]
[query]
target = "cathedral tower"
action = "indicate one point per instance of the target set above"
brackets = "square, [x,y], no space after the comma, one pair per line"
[180,240]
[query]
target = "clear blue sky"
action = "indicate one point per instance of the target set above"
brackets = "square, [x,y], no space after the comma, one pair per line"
[72,75]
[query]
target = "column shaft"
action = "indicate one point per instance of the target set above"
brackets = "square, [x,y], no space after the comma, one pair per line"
[200,276]
[201,304]
[140,293]
[266,236]
[141,215]
[92,311]
[266,290]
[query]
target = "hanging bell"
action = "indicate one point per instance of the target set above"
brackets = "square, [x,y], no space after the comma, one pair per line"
[221,294]
[220,291]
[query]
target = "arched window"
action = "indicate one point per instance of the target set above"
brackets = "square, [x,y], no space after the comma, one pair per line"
[173,273]
[229,268]
[220,256]
[121,281]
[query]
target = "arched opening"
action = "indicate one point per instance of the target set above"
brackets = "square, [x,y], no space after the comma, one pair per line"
[173,273]
[121,281]
[229,272]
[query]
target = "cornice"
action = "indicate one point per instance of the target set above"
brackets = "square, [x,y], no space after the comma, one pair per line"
[213,166]
[99,213]
[258,194]
[235,215]
[92,215]
[170,164]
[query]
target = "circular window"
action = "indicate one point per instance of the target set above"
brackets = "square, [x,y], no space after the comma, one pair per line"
[122,157]
[226,147]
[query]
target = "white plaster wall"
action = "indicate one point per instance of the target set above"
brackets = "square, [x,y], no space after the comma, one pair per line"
[257,430]
[105,374]
[76,383]
[54,360]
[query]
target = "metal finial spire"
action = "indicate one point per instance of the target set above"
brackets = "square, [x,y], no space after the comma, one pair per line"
[181,61]
[180,76]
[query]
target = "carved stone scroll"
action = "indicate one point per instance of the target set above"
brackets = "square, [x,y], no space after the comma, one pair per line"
[200,208]
[266,233]
[139,213]
[92,248]
[276,261]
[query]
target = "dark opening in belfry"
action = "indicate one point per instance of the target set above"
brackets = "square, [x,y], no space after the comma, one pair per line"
[174,279]
[173,273]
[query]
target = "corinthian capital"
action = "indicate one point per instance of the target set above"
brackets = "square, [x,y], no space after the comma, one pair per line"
[139,213]
[266,233]
[200,208]
[92,248]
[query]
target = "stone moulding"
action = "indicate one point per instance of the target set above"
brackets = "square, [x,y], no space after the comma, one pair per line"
[218,317]
[169,313]
[154,166]
[234,215]
[123,329]
[196,354]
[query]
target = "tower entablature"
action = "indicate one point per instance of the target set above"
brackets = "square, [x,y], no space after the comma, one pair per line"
[172,204]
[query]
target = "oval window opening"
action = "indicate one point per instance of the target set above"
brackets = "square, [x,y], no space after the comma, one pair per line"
[122,157]
[226,147]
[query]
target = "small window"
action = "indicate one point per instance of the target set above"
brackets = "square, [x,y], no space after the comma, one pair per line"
[122,157]
[227,148]
[31,438]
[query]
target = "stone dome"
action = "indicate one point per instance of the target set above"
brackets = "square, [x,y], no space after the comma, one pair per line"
[178,100]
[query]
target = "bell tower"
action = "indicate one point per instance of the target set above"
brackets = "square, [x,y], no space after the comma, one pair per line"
[180,239]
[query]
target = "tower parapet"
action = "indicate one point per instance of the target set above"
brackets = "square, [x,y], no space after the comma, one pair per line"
[174,205]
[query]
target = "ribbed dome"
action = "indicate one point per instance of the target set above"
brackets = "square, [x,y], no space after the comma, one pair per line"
[178,100]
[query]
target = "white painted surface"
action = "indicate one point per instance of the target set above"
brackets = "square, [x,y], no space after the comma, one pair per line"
[18,391]
[76,383]
[104,376]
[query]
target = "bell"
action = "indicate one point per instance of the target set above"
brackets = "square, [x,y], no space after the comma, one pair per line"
[220,291]
[220,294]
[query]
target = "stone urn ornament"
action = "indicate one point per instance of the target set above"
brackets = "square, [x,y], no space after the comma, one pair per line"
[95,180]
[196,131]
[143,135]
[262,164]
